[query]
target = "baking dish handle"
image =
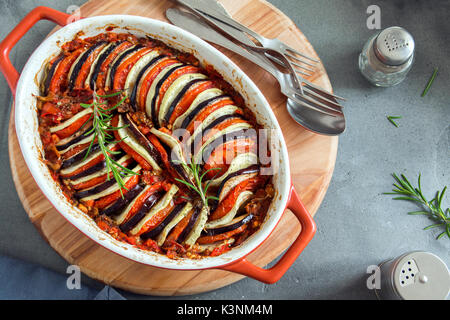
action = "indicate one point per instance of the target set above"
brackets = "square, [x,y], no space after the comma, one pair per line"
[273,274]
[37,14]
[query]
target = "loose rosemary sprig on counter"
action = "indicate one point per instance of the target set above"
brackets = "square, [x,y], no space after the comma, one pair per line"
[433,208]
[392,118]
[430,82]
[197,185]
[101,128]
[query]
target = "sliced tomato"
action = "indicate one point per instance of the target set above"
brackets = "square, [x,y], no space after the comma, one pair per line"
[59,79]
[174,75]
[142,198]
[74,127]
[188,98]
[97,180]
[103,72]
[202,115]
[52,111]
[107,200]
[178,229]
[222,236]
[227,204]
[156,219]
[221,126]
[148,80]
[130,151]
[85,69]
[122,71]
[91,163]
[222,156]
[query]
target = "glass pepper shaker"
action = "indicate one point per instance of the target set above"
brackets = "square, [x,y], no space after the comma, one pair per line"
[387,57]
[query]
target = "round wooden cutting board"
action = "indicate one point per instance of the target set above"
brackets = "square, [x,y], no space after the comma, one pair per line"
[312,159]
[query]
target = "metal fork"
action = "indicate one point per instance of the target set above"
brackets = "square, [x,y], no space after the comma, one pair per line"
[310,98]
[303,85]
[307,64]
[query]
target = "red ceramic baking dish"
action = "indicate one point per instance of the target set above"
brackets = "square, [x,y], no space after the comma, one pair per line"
[25,87]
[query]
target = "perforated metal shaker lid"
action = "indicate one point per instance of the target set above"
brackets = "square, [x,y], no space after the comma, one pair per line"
[421,275]
[394,46]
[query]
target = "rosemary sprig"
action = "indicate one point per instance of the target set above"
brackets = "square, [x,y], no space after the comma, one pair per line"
[101,128]
[430,82]
[392,118]
[197,184]
[432,208]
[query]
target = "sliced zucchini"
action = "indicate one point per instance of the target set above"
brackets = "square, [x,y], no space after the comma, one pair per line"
[224,111]
[116,62]
[203,98]
[232,225]
[228,130]
[120,218]
[198,227]
[241,161]
[165,201]
[153,92]
[176,156]
[100,172]
[173,222]
[173,91]
[132,142]
[233,182]
[99,58]
[70,121]
[132,76]
[242,198]
[111,189]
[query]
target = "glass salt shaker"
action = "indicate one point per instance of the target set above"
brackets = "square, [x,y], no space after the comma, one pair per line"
[387,57]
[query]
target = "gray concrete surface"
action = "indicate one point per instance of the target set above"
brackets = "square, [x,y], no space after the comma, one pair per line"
[358,226]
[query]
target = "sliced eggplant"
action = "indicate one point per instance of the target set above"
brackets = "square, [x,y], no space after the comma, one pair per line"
[73,139]
[229,184]
[120,216]
[159,228]
[76,67]
[153,92]
[176,154]
[202,100]
[120,204]
[134,220]
[135,71]
[72,120]
[180,85]
[80,159]
[192,220]
[237,127]
[142,74]
[102,171]
[241,199]
[163,234]
[240,162]
[96,66]
[86,139]
[231,136]
[128,138]
[199,225]
[165,201]
[48,75]
[233,225]
[141,138]
[93,169]
[115,64]
[221,112]
[105,188]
